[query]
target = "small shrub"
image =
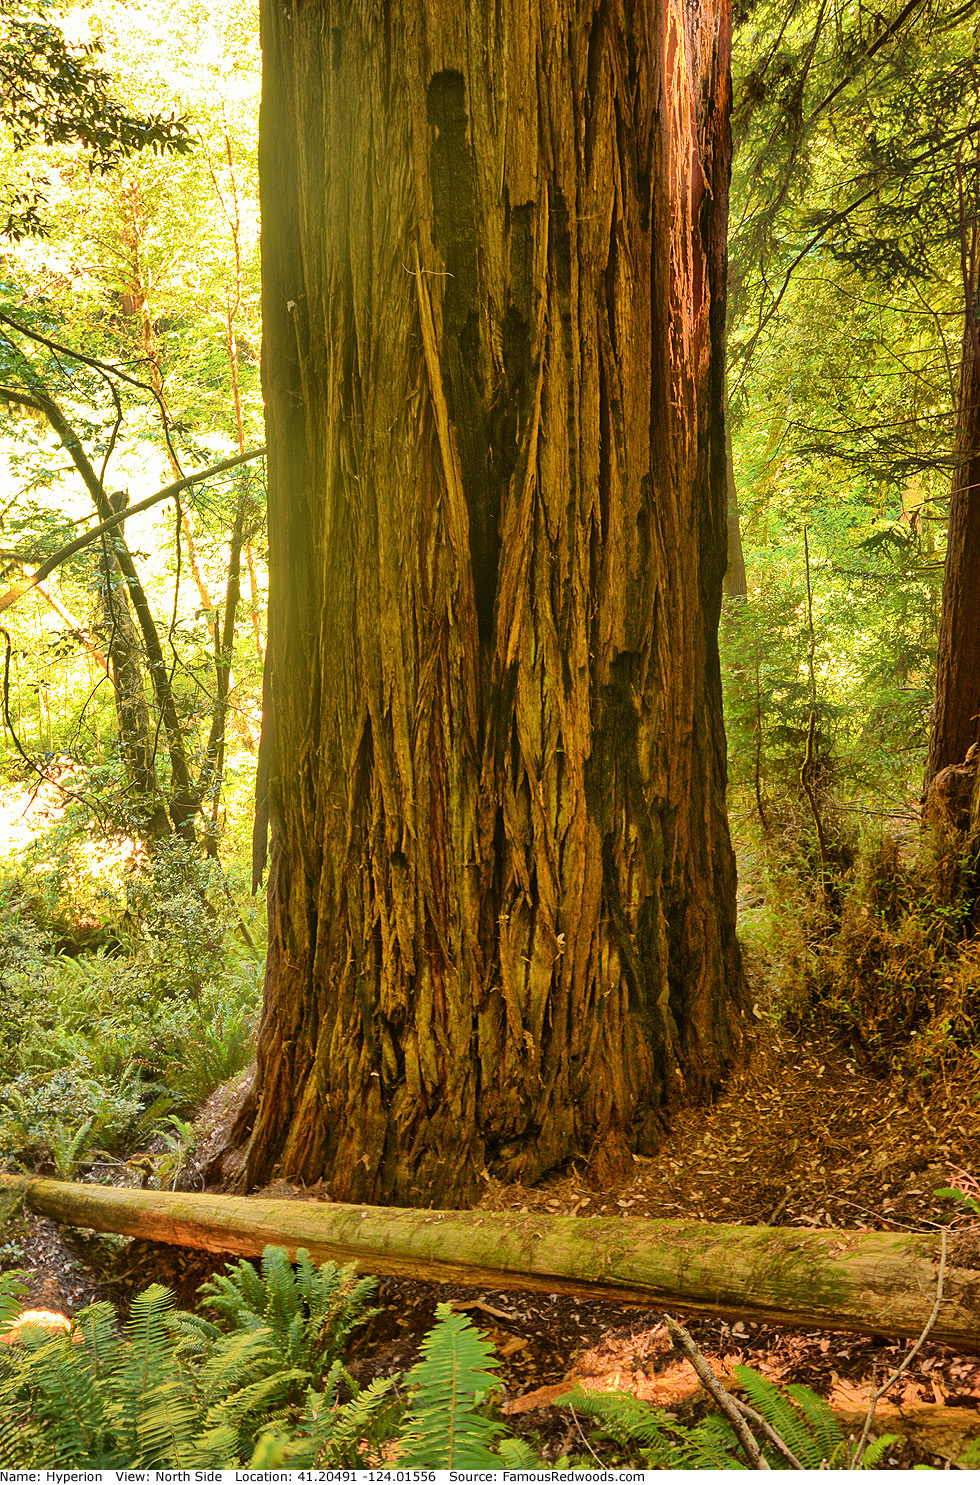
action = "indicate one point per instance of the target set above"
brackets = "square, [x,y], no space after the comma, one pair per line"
[898,977]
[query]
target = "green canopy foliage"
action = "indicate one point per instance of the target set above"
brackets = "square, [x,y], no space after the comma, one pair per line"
[52,91]
[855,181]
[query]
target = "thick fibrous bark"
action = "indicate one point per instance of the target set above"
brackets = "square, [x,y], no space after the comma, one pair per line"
[880,1282]
[956,716]
[501,898]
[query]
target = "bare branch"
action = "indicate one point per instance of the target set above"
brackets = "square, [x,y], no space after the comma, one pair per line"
[168,493]
[913,1351]
[684,1341]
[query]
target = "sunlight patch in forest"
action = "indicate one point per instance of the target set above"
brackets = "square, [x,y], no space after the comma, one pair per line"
[29,810]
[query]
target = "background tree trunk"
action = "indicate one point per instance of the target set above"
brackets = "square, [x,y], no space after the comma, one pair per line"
[136,730]
[501,897]
[956,715]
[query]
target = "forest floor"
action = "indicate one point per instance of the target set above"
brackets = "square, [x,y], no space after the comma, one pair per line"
[803,1137]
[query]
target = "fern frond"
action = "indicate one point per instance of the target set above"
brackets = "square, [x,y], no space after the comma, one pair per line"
[714,1442]
[281,1295]
[236,1361]
[877,1449]
[778,1411]
[148,1334]
[309,1312]
[19,1439]
[145,1124]
[186,1325]
[309,1280]
[94,1331]
[267,1393]
[663,1441]
[13,1291]
[261,1396]
[627,1420]
[193,1338]
[443,1429]
[238,1294]
[154,1413]
[165,1428]
[517,1454]
[175,1391]
[340,1304]
[351,1437]
[56,1382]
[327,1396]
[216,1448]
[66,1157]
[328,1436]
[802,1419]
[335,1300]
[146,1363]
[824,1427]
[295,1343]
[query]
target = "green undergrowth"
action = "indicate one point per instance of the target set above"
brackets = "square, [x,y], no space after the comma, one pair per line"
[869,695]
[881,951]
[110,1040]
[264,1384]
[900,973]
[859,920]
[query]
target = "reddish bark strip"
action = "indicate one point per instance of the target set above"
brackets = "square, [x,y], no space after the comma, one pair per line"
[956,717]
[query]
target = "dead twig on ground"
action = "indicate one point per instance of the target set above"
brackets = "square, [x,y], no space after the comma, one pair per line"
[909,1356]
[685,1342]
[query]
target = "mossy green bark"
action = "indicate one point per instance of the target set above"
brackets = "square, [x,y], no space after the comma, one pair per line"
[12,1194]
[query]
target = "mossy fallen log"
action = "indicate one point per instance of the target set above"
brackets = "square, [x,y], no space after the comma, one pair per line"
[881,1283]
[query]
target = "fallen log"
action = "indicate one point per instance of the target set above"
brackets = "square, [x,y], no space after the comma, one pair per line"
[880,1283]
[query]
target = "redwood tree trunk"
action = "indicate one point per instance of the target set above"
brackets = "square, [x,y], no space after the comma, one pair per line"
[501,898]
[956,715]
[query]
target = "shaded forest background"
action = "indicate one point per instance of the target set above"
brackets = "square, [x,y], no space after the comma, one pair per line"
[130,974]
